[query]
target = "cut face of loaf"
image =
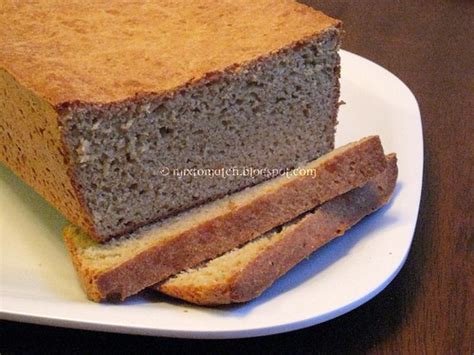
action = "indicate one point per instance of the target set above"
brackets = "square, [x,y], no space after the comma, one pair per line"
[92,125]
[123,267]
[244,273]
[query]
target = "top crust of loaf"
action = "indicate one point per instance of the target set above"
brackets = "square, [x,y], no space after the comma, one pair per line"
[101,52]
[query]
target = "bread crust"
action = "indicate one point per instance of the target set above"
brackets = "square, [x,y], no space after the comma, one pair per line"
[32,146]
[337,172]
[327,222]
[132,55]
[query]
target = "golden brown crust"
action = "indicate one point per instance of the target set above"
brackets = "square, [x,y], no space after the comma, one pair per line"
[100,52]
[329,221]
[87,277]
[31,146]
[353,167]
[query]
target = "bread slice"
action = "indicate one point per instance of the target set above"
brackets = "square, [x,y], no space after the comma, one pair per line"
[97,98]
[243,274]
[124,266]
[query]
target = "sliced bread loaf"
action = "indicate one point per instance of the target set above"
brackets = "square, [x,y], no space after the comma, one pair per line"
[98,97]
[124,266]
[244,273]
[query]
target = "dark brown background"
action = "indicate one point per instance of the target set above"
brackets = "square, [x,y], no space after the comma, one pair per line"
[426,309]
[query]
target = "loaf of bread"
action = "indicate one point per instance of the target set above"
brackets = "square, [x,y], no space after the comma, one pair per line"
[97,99]
[124,266]
[244,273]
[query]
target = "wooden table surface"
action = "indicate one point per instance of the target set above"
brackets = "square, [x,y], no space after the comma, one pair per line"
[428,308]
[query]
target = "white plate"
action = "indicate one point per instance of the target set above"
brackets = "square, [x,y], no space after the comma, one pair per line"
[39,285]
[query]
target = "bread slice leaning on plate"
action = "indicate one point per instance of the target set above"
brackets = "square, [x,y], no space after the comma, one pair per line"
[244,273]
